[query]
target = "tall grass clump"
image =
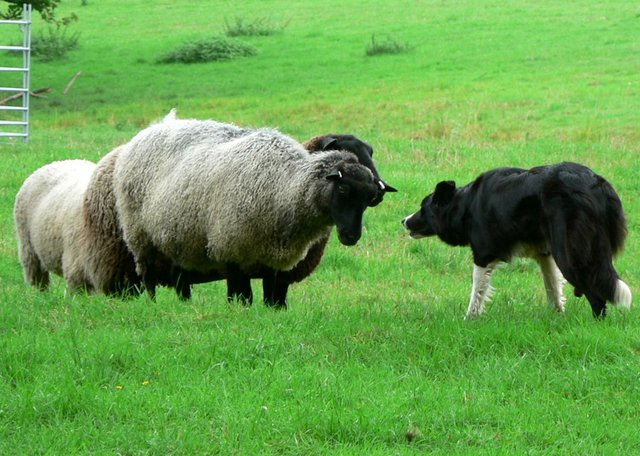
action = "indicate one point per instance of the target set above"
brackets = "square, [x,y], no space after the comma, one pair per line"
[54,43]
[388,46]
[262,26]
[217,48]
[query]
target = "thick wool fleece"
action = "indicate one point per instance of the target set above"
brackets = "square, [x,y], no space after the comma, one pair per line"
[109,262]
[256,198]
[48,221]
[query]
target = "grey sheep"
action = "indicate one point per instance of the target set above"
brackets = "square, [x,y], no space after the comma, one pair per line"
[47,216]
[275,285]
[191,202]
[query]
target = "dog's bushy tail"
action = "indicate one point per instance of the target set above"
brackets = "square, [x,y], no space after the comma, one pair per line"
[617,222]
[586,227]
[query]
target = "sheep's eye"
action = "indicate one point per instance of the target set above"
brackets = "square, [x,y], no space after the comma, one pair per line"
[343,189]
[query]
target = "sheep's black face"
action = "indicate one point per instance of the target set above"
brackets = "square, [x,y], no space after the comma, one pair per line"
[350,197]
[364,153]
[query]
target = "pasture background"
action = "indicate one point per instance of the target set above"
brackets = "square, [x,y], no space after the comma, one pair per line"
[373,356]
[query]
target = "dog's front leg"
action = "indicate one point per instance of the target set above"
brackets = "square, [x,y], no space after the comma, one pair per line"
[553,281]
[481,290]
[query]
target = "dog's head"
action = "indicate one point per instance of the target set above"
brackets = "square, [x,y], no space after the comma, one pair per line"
[427,221]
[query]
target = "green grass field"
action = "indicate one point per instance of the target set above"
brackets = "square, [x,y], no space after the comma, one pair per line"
[373,356]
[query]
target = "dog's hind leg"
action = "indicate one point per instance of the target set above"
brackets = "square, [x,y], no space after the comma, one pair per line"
[553,282]
[595,278]
[481,290]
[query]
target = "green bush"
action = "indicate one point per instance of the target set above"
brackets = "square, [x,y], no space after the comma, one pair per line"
[53,44]
[262,26]
[209,50]
[388,46]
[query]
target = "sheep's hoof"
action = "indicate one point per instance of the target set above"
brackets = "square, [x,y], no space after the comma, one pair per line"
[240,299]
[183,292]
[277,305]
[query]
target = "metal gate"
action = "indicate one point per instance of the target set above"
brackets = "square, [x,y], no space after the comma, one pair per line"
[14,112]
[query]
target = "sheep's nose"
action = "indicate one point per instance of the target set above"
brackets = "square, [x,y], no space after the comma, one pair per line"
[349,238]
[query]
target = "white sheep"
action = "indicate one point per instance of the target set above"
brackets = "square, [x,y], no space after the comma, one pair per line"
[207,199]
[48,220]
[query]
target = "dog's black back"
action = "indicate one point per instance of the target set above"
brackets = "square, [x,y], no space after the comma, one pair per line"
[565,210]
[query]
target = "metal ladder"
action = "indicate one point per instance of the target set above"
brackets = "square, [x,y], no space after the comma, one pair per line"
[23,108]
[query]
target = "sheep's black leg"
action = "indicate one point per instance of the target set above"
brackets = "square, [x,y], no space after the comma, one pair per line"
[153,270]
[150,285]
[181,280]
[275,288]
[183,288]
[280,294]
[268,284]
[239,286]
[40,281]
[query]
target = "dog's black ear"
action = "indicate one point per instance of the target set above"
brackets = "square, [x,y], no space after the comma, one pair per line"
[444,192]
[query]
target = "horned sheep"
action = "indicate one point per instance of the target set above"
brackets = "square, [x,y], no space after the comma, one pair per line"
[206,199]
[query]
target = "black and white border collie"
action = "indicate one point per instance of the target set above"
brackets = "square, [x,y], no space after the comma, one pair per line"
[566,217]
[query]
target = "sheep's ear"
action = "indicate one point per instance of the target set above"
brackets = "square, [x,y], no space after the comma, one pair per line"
[326,142]
[386,187]
[444,193]
[334,175]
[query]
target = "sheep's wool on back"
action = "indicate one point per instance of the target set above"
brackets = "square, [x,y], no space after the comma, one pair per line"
[48,220]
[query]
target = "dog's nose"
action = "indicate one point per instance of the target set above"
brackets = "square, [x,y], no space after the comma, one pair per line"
[404,221]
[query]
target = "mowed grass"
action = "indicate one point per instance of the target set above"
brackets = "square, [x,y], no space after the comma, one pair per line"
[373,356]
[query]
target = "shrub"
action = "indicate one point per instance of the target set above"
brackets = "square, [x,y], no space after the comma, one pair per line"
[389,46]
[53,44]
[262,26]
[208,50]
